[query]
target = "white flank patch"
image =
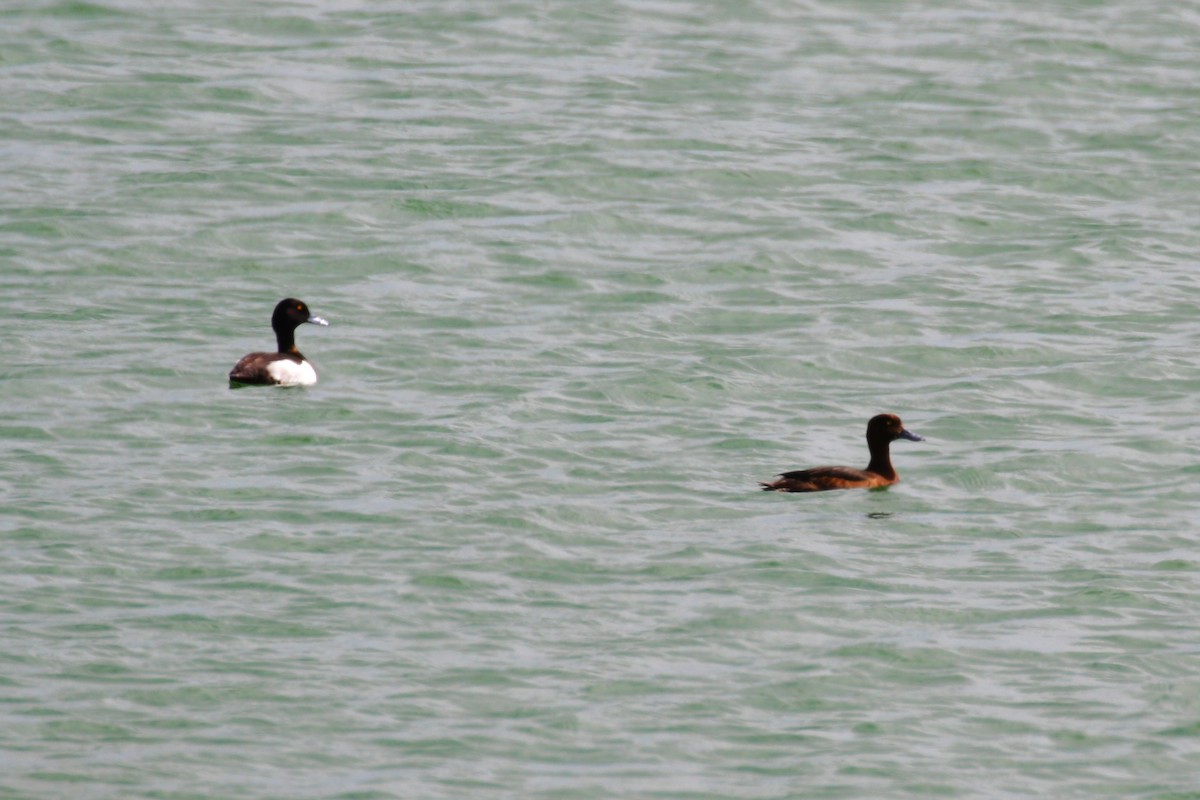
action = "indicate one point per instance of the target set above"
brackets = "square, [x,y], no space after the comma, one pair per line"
[289,373]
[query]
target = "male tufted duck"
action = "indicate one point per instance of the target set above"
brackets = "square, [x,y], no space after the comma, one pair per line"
[882,430]
[286,367]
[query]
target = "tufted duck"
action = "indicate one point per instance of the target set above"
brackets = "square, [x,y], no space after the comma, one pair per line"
[882,430]
[286,367]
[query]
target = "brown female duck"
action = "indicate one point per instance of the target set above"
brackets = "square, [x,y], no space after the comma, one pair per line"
[882,430]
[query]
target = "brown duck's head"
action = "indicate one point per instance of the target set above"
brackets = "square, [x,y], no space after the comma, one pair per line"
[889,428]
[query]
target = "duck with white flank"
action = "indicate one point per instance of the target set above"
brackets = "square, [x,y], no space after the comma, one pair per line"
[287,367]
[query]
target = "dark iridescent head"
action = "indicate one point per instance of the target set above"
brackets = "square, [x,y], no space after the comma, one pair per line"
[292,313]
[888,428]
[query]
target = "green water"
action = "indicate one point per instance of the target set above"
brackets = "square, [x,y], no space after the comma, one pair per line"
[592,271]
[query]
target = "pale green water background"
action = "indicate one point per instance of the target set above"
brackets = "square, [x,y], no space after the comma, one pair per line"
[592,270]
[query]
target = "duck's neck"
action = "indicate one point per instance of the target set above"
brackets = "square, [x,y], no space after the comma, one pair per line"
[286,338]
[881,460]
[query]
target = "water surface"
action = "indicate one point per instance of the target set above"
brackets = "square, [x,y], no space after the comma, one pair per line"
[591,273]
